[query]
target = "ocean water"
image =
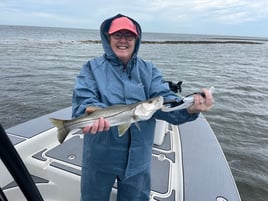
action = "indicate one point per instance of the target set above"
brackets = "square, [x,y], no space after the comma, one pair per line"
[38,66]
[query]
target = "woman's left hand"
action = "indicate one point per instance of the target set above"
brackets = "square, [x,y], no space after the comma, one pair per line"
[202,104]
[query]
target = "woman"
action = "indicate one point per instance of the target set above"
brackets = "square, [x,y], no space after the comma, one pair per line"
[121,77]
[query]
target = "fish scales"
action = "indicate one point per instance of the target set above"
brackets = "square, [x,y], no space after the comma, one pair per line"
[123,115]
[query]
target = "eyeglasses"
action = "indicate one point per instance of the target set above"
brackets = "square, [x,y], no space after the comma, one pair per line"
[127,35]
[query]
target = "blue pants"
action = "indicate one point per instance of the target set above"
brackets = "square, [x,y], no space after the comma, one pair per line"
[97,185]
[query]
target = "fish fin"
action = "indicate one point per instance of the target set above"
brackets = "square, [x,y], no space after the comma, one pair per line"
[123,128]
[91,109]
[137,125]
[62,131]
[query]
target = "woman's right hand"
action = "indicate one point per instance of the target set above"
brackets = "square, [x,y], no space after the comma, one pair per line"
[98,126]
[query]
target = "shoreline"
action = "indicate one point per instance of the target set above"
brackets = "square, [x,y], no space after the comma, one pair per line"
[229,41]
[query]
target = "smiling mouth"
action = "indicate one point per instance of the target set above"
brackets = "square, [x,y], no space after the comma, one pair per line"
[122,47]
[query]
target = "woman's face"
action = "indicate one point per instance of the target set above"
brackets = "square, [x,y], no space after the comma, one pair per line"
[123,44]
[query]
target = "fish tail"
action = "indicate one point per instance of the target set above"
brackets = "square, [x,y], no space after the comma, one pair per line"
[62,131]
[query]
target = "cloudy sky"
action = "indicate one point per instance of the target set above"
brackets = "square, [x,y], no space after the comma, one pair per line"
[220,17]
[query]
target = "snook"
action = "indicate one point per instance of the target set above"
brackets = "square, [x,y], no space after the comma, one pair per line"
[118,115]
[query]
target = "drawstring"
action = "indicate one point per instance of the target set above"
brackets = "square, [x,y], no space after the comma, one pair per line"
[125,70]
[124,67]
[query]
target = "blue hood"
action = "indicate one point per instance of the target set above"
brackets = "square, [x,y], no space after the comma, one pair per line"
[109,54]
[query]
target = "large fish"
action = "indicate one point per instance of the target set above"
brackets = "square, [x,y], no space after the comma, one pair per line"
[118,115]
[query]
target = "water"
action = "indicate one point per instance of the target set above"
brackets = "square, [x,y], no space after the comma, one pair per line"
[38,67]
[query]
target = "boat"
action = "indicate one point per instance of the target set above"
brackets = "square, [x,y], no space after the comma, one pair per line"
[188,163]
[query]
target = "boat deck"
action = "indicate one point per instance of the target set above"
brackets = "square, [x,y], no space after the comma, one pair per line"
[187,165]
[47,159]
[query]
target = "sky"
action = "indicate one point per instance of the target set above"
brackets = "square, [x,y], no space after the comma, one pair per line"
[215,17]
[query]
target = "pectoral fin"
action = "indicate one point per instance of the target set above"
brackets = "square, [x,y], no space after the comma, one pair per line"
[123,128]
[137,125]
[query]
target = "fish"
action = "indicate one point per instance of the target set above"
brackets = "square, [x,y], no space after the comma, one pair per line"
[121,116]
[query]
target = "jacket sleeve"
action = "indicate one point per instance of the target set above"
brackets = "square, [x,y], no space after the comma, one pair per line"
[161,88]
[85,92]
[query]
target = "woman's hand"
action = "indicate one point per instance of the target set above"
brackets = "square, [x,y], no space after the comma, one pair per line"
[202,104]
[98,126]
